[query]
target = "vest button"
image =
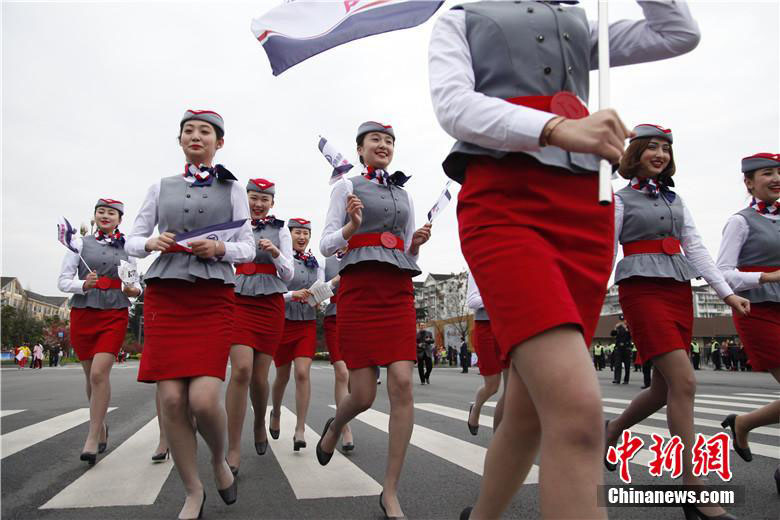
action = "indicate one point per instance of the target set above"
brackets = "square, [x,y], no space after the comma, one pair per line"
[186,230]
[188,195]
[656,204]
[205,196]
[662,218]
[547,70]
[530,9]
[560,9]
[566,36]
[540,38]
[386,210]
[186,210]
[200,211]
[570,68]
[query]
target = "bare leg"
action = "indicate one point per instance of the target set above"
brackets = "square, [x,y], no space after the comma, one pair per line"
[769,414]
[646,403]
[162,444]
[277,392]
[177,423]
[571,429]
[340,390]
[100,384]
[258,392]
[241,357]
[362,385]
[211,417]
[86,366]
[486,391]
[498,414]
[302,394]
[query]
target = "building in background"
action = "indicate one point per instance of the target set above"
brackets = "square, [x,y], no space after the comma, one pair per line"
[39,306]
[706,303]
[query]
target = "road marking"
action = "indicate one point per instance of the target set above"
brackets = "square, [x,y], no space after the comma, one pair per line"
[454,413]
[731,397]
[340,478]
[22,438]
[701,422]
[124,477]
[4,413]
[461,453]
[774,397]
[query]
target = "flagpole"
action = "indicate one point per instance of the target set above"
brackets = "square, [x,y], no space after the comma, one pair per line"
[85,263]
[605,169]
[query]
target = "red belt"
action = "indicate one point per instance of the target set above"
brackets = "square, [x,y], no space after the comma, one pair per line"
[758,268]
[668,246]
[562,104]
[105,283]
[251,268]
[386,240]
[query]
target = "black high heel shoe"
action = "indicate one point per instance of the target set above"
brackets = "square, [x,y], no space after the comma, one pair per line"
[233,469]
[324,457]
[91,458]
[473,430]
[159,457]
[200,513]
[692,513]
[297,445]
[777,479]
[466,513]
[607,464]
[730,422]
[274,433]
[103,445]
[384,511]
[261,447]
[229,495]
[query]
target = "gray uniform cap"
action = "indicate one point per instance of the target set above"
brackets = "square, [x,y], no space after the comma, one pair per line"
[204,115]
[647,130]
[261,186]
[760,160]
[373,126]
[111,203]
[299,223]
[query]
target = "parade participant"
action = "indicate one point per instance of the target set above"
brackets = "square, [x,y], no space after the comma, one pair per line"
[299,339]
[330,323]
[258,320]
[527,154]
[98,314]
[37,356]
[491,366]
[374,216]
[653,223]
[749,259]
[189,301]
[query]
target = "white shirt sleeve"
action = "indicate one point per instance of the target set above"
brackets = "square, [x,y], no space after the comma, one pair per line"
[735,235]
[619,210]
[409,230]
[68,282]
[332,237]
[284,262]
[667,30]
[144,224]
[698,255]
[473,297]
[241,248]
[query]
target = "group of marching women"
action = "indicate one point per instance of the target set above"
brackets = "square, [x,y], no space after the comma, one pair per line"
[539,247]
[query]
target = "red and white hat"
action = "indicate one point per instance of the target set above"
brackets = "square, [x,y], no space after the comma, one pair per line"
[760,160]
[261,186]
[208,116]
[647,130]
[111,203]
[299,223]
[373,126]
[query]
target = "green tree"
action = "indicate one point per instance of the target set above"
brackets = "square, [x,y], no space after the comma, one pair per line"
[19,327]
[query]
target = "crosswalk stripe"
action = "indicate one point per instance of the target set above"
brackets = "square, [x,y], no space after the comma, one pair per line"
[461,453]
[774,397]
[453,413]
[340,478]
[731,397]
[22,438]
[125,477]
[4,413]
[729,404]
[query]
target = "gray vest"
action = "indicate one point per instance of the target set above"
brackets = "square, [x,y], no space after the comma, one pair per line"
[526,49]
[183,208]
[762,247]
[481,315]
[646,218]
[332,265]
[104,259]
[303,279]
[261,284]
[385,208]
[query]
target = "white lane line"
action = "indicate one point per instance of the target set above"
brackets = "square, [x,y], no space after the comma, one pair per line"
[454,413]
[125,477]
[461,453]
[774,397]
[730,405]
[340,478]
[701,422]
[22,438]
[4,413]
[735,398]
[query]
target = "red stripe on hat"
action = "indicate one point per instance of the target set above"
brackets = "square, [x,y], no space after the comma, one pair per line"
[198,112]
[664,130]
[263,184]
[764,155]
[301,221]
[111,201]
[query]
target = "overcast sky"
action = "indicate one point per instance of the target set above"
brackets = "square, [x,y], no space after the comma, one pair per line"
[93,93]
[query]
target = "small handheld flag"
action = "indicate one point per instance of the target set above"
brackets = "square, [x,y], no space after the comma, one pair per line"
[335,159]
[65,234]
[223,232]
[444,199]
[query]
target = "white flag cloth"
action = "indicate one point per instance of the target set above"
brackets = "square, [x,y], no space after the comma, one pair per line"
[444,199]
[129,275]
[320,291]
[299,29]
[223,232]
[65,234]
[335,159]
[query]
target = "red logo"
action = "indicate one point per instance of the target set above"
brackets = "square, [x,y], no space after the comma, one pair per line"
[628,446]
[667,457]
[712,456]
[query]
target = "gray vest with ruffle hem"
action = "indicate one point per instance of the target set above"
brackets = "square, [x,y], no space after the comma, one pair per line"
[646,218]
[104,260]
[261,284]
[527,49]
[332,266]
[182,208]
[385,208]
[303,279]
[762,247]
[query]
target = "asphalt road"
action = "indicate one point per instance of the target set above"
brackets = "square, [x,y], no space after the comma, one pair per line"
[44,423]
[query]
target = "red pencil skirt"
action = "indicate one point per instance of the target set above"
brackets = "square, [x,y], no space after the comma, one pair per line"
[488,351]
[299,340]
[760,333]
[377,320]
[97,330]
[332,339]
[187,329]
[659,313]
[258,322]
[538,244]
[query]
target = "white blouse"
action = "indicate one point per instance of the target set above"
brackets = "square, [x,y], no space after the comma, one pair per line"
[473,297]
[68,282]
[735,235]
